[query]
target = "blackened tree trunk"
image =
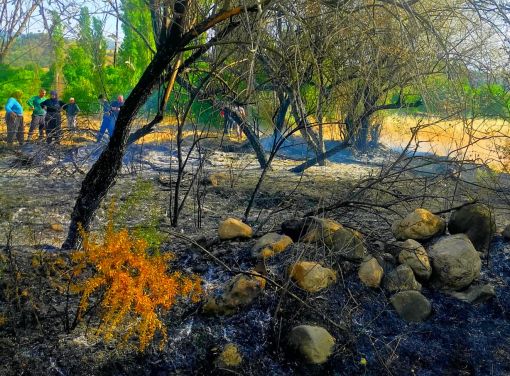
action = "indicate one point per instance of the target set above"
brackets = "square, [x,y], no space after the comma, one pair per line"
[251,136]
[102,175]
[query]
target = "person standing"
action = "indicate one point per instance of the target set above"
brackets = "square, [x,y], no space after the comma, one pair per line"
[53,118]
[72,110]
[38,114]
[14,118]
[106,123]
[116,105]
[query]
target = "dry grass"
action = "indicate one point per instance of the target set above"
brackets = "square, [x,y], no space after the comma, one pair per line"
[481,140]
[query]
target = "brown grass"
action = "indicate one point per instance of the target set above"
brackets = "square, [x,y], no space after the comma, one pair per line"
[482,140]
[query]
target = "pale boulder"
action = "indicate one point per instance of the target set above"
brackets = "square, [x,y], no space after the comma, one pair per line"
[232,228]
[418,225]
[312,276]
[270,245]
[370,273]
[313,343]
[415,256]
[455,262]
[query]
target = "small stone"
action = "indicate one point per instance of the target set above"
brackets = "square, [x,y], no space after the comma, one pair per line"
[217,178]
[348,244]
[312,276]
[321,230]
[418,225]
[455,262]
[411,305]
[230,357]
[314,343]
[401,279]
[415,256]
[477,222]
[232,228]
[475,294]
[506,232]
[271,244]
[57,227]
[370,273]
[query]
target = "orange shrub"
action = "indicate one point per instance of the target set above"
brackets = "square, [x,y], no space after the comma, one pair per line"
[133,286]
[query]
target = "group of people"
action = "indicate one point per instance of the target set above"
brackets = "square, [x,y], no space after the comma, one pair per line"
[47,116]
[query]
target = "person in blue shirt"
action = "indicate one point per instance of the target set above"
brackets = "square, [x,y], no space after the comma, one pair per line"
[116,105]
[14,118]
[107,123]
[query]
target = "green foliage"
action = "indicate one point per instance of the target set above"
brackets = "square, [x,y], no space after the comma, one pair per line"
[134,53]
[140,201]
[28,80]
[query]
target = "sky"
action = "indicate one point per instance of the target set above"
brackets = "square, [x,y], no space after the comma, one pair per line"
[97,8]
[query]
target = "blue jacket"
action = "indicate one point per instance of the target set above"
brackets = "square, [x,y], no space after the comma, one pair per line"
[13,106]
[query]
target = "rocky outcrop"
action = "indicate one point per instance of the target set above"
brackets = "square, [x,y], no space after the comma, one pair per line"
[271,244]
[418,225]
[477,222]
[312,276]
[348,244]
[415,256]
[401,279]
[232,228]
[370,272]
[313,344]
[455,262]
[411,305]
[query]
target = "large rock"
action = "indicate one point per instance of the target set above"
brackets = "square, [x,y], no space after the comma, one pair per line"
[418,225]
[411,305]
[271,244]
[232,228]
[240,291]
[370,273]
[348,244]
[312,276]
[321,230]
[313,343]
[455,262]
[401,279]
[506,232]
[477,222]
[415,256]
[475,294]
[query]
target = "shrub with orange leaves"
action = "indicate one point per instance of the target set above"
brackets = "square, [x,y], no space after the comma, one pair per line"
[133,287]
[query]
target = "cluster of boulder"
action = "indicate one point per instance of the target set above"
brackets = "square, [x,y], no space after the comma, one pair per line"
[423,254]
[451,263]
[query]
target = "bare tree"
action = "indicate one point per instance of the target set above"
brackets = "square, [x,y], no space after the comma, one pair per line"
[14,18]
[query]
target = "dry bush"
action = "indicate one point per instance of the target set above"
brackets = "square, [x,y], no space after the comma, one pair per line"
[131,287]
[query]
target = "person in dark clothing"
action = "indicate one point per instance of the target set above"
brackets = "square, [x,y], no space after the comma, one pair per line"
[53,119]
[72,110]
